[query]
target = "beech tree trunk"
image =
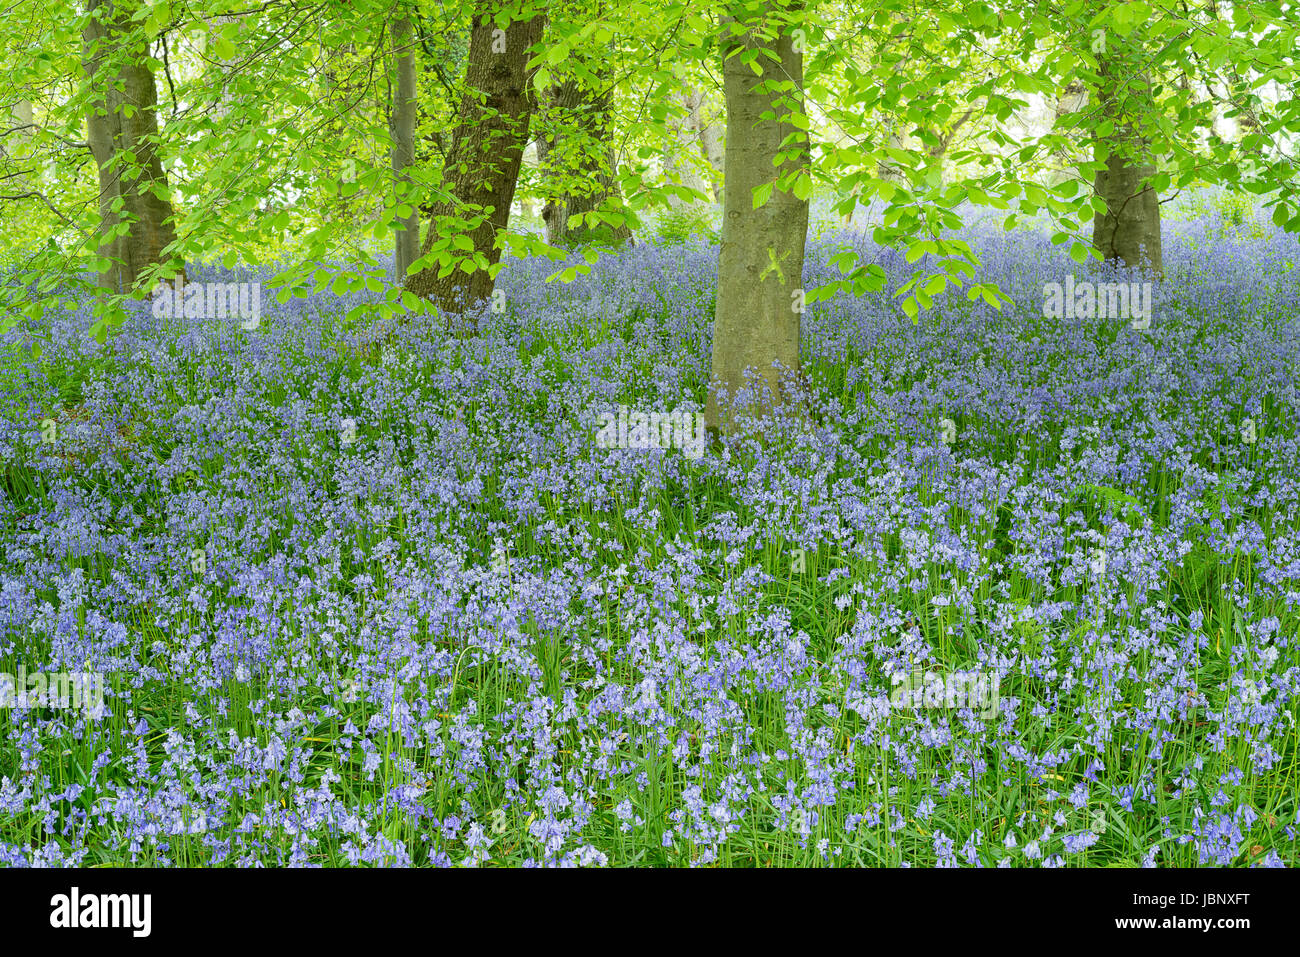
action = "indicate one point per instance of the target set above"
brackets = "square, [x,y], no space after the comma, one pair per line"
[13,147]
[678,167]
[888,168]
[707,124]
[20,120]
[225,67]
[115,131]
[407,238]
[760,265]
[483,165]
[1129,230]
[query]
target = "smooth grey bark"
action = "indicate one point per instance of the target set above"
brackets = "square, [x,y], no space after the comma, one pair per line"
[225,67]
[13,147]
[1073,98]
[756,325]
[1129,230]
[888,169]
[407,238]
[707,123]
[122,120]
[679,147]
[20,120]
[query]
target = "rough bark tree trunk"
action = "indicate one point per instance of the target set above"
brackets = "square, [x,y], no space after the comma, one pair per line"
[756,323]
[115,131]
[483,166]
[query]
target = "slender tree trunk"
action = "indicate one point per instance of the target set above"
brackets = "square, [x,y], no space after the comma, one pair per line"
[708,127]
[1072,99]
[760,265]
[483,167]
[552,213]
[124,121]
[225,67]
[13,148]
[528,171]
[888,169]
[20,118]
[1129,230]
[678,149]
[407,238]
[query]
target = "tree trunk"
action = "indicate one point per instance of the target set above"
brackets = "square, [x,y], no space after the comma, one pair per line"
[483,166]
[551,215]
[707,124]
[13,148]
[407,238]
[888,169]
[113,132]
[225,67]
[21,122]
[582,168]
[681,146]
[760,265]
[1129,230]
